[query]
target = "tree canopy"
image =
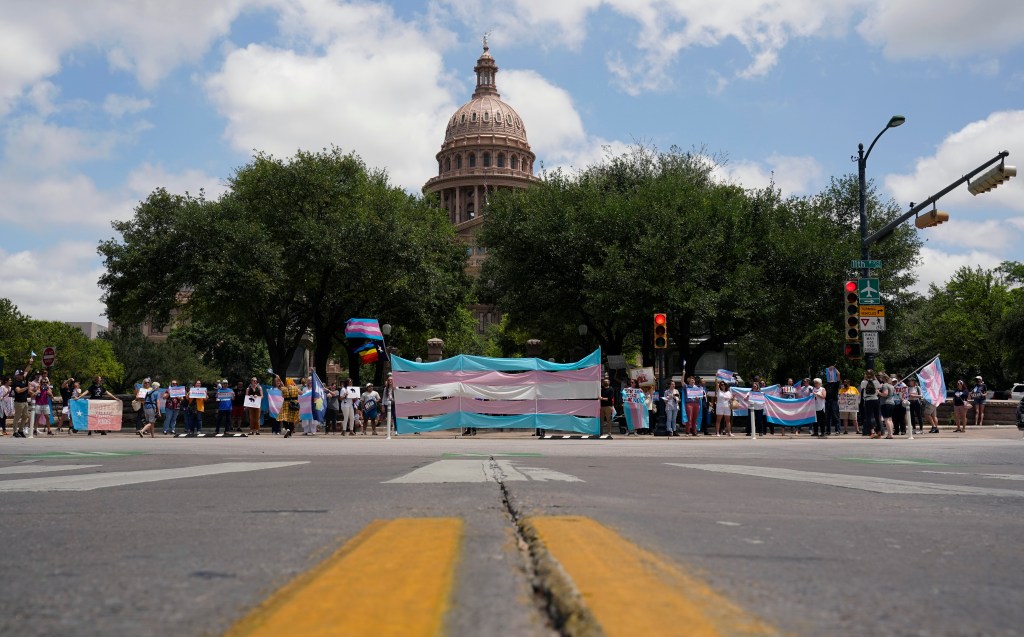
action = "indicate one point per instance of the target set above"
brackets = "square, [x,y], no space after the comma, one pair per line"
[293,249]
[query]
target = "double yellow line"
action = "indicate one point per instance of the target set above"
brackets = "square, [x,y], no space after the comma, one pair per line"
[600,583]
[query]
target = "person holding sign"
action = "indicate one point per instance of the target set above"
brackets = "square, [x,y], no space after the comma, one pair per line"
[723,409]
[151,410]
[97,391]
[369,404]
[849,400]
[195,407]
[347,400]
[253,403]
[692,395]
[175,396]
[225,401]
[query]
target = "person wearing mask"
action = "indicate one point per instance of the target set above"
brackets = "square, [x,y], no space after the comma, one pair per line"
[252,414]
[979,394]
[872,408]
[886,403]
[151,411]
[847,416]
[671,401]
[960,405]
[171,408]
[820,428]
[723,409]
[914,400]
[225,402]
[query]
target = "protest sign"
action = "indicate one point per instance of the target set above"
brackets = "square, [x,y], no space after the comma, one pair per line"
[254,402]
[197,392]
[176,392]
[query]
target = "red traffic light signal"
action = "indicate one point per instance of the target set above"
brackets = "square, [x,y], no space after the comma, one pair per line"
[851,286]
[852,350]
[660,331]
[851,329]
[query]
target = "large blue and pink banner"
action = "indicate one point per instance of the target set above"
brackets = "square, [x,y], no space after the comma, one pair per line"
[515,393]
[96,415]
[933,383]
[788,412]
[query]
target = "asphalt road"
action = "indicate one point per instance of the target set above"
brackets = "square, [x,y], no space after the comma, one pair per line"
[815,537]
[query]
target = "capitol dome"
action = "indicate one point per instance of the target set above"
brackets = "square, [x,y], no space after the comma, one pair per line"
[484,148]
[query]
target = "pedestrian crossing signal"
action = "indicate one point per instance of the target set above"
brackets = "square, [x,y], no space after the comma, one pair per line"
[852,351]
[851,316]
[660,331]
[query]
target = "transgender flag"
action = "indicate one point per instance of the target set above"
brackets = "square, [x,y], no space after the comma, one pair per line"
[363,328]
[789,412]
[933,383]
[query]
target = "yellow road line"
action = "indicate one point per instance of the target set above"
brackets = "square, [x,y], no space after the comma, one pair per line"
[393,578]
[627,590]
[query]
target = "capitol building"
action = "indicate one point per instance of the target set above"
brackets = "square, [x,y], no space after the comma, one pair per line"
[485,148]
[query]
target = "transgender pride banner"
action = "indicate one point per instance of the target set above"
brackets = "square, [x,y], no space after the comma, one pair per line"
[789,412]
[933,382]
[634,406]
[510,393]
[96,415]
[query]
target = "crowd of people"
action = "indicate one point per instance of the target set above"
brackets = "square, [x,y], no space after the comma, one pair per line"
[886,406]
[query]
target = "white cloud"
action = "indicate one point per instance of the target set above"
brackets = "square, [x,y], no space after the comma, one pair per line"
[56,282]
[960,153]
[375,88]
[994,236]
[791,175]
[121,105]
[924,28]
[33,145]
[938,267]
[58,203]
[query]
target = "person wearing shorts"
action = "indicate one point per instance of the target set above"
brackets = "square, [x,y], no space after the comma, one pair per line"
[369,404]
[978,396]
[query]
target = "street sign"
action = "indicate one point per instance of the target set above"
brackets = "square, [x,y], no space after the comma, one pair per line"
[870,342]
[869,292]
[870,264]
[872,310]
[49,355]
[872,324]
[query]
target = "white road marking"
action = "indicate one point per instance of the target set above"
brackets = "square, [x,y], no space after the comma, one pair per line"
[38,468]
[91,481]
[863,483]
[479,471]
[997,476]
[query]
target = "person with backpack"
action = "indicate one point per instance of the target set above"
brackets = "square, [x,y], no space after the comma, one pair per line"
[872,412]
[887,404]
[151,411]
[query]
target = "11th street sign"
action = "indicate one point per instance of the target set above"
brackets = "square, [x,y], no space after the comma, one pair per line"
[870,264]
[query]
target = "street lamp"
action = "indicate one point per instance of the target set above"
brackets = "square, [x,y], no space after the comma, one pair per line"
[862,162]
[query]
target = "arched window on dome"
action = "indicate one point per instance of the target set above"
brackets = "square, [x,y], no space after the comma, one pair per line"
[508,120]
[501,160]
[458,162]
[486,115]
[472,117]
[498,119]
[463,118]
[448,164]
[472,160]
[515,162]
[487,160]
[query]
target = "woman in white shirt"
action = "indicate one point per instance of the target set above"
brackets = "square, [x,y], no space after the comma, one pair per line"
[723,409]
[671,399]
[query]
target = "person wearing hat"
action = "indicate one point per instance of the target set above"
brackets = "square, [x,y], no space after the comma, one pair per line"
[151,411]
[978,396]
[22,409]
[225,402]
[369,403]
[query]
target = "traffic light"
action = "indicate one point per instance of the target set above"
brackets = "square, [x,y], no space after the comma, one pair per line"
[660,331]
[930,219]
[991,179]
[852,350]
[851,328]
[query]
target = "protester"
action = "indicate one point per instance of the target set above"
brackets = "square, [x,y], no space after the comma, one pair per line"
[151,411]
[6,403]
[97,391]
[820,428]
[872,423]
[22,408]
[171,408]
[252,414]
[930,411]
[346,402]
[369,404]
[43,398]
[692,405]
[757,406]
[979,394]
[960,405]
[723,407]
[607,406]
[238,415]
[900,397]
[847,416]
[331,410]
[831,385]
[671,402]
[289,408]
[274,421]
[224,406]
[886,404]
[914,400]
[195,408]
[652,410]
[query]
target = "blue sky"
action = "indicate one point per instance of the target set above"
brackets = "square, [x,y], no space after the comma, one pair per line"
[100,103]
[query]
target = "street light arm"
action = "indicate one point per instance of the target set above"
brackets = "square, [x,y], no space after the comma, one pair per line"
[888,229]
[875,140]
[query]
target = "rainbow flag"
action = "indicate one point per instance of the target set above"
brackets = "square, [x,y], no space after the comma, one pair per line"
[368,356]
[363,328]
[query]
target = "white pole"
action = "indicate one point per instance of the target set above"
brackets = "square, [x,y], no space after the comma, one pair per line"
[908,423]
[753,428]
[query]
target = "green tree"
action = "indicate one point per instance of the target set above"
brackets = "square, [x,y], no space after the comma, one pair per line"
[295,248]
[161,361]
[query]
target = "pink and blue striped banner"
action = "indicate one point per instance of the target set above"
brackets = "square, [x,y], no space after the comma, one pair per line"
[789,412]
[933,383]
[363,328]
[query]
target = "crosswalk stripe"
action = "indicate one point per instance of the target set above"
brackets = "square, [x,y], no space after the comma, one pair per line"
[42,468]
[408,562]
[628,591]
[90,481]
[863,483]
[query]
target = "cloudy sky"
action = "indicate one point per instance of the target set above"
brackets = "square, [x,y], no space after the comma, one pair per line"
[101,102]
